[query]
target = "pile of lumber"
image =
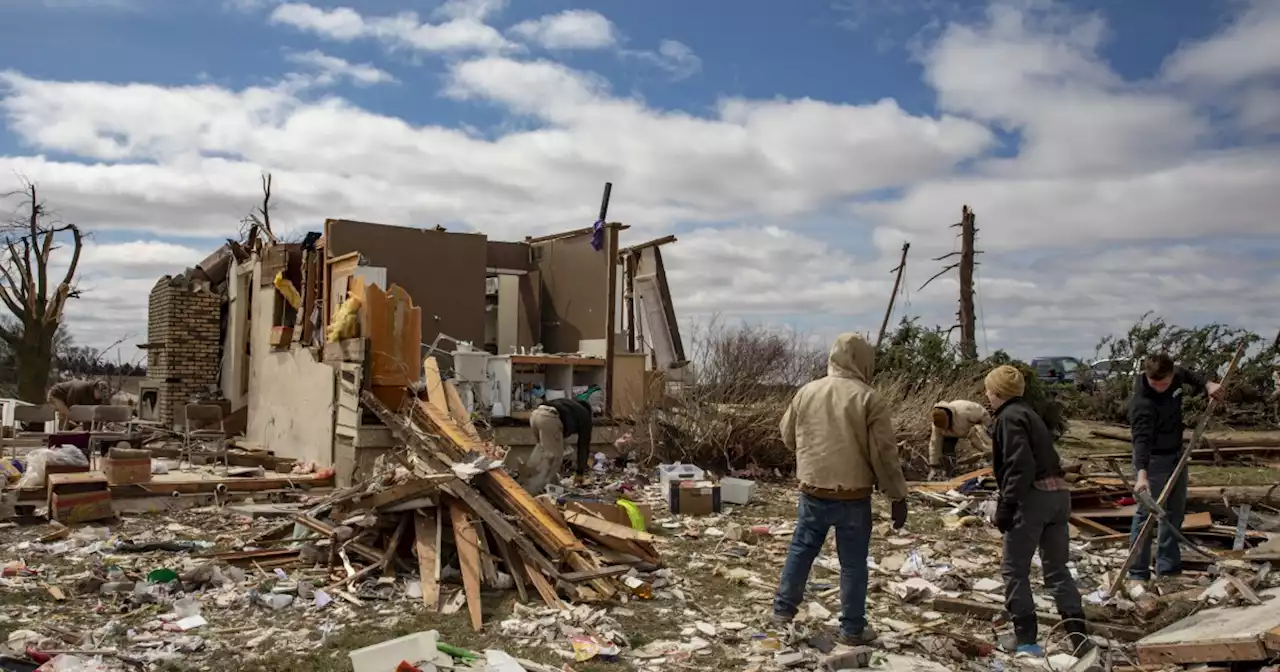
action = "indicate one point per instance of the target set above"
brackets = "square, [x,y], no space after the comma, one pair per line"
[443,500]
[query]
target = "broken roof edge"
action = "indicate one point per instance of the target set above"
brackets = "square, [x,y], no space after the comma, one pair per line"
[617,226]
[436,229]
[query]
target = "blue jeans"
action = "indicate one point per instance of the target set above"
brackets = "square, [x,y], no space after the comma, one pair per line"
[1168,552]
[852,520]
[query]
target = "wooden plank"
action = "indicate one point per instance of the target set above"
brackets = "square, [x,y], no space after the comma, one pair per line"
[603,572]
[393,545]
[599,525]
[435,387]
[468,544]
[544,588]
[488,568]
[985,610]
[458,411]
[427,545]
[1088,524]
[947,486]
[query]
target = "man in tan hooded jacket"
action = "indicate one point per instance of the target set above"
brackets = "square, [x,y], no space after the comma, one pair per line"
[842,432]
[952,421]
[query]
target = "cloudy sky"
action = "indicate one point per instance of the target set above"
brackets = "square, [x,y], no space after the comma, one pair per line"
[1122,157]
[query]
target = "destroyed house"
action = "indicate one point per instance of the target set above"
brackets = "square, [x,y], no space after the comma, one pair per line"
[286,336]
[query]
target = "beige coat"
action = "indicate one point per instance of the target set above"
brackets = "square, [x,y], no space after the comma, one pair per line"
[842,429]
[967,418]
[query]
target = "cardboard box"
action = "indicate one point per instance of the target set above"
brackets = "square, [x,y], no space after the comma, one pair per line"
[126,471]
[614,513]
[78,498]
[693,498]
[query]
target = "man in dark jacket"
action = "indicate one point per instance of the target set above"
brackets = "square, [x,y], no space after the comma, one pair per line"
[1033,512]
[552,422]
[1155,416]
[70,393]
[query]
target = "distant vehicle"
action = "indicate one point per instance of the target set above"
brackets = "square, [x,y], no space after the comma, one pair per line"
[1105,369]
[1062,371]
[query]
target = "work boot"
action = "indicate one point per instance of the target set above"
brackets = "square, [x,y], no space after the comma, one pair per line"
[1025,630]
[867,636]
[781,619]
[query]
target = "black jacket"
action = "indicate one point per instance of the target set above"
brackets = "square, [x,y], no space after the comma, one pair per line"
[1156,417]
[575,417]
[1021,451]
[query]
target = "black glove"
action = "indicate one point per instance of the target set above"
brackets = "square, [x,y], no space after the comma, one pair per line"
[898,509]
[1005,516]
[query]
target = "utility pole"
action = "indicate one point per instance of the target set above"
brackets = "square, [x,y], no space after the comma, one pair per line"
[897,281]
[967,325]
[968,333]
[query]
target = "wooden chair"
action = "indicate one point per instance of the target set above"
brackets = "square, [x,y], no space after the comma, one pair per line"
[202,423]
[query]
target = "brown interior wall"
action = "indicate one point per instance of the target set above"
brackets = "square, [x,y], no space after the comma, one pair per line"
[443,272]
[511,256]
[575,291]
[529,327]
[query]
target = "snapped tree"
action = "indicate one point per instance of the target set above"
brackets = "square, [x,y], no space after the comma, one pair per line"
[31,289]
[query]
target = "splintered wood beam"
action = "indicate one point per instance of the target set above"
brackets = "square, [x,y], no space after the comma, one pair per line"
[427,545]
[468,544]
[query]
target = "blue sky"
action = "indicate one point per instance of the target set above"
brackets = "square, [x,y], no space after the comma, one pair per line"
[1117,154]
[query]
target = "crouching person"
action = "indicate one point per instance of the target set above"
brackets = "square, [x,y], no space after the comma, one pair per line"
[952,421]
[1032,513]
[841,431]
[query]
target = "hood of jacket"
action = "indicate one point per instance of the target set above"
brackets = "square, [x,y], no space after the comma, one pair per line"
[852,357]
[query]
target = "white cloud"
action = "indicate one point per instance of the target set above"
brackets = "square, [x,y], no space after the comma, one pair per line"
[331,68]
[465,33]
[677,58]
[477,10]
[787,209]
[1247,49]
[570,29]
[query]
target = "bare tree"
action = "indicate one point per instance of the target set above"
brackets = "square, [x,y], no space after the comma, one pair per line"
[27,290]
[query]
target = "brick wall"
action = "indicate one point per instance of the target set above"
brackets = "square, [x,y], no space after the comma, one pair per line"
[184,333]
